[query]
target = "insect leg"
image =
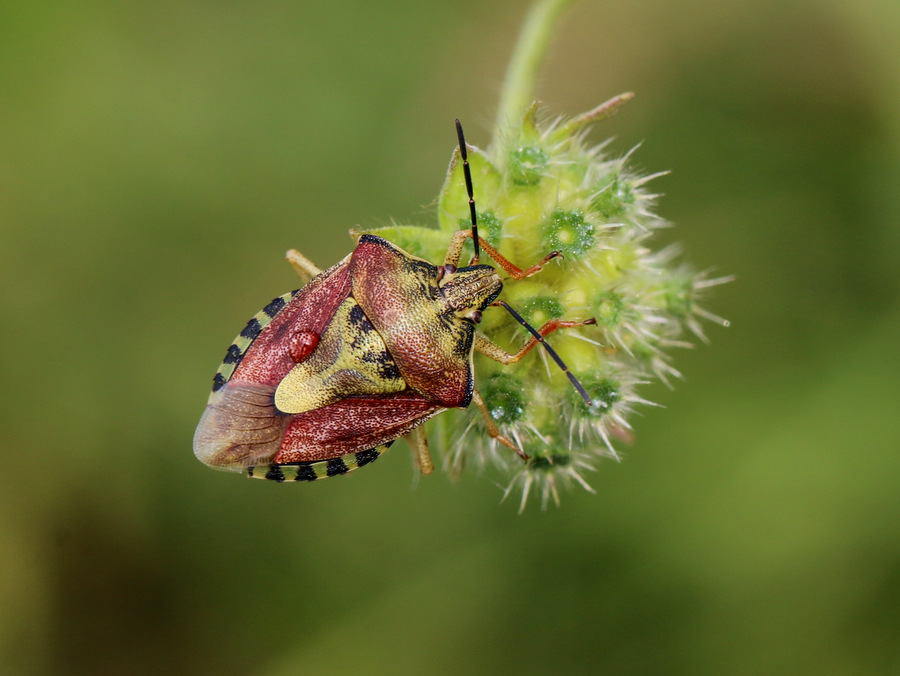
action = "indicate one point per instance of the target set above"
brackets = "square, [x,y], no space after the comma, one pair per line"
[418,442]
[497,353]
[454,251]
[304,267]
[487,348]
[491,426]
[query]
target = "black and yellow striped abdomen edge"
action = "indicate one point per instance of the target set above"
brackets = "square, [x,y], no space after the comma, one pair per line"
[245,338]
[319,469]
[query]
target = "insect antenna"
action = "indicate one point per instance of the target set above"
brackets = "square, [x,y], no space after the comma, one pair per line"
[559,362]
[468,174]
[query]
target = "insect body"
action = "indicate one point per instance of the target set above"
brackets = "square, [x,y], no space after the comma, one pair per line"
[324,379]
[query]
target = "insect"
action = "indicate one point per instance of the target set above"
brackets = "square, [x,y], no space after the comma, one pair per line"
[324,379]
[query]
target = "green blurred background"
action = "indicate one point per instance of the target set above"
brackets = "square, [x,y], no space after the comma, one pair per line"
[156,159]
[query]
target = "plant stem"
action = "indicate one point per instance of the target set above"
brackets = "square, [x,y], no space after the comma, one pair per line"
[521,75]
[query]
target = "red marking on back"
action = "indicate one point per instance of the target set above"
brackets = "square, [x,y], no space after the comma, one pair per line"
[302,344]
[269,359]
[352,424]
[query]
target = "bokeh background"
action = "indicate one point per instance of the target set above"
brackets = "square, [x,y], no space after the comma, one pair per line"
[156,159]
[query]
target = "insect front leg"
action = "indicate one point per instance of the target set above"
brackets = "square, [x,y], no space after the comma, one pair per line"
[497,353]
[454,251]
[487,348]
[304,267]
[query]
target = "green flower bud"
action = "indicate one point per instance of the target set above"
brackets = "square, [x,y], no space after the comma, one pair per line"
[506,399]
[489,226]
[567,232]
[538,310]
[613,199]
[609,308]
[526,165]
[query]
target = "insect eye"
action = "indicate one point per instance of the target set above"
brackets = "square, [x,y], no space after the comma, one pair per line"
[475,316]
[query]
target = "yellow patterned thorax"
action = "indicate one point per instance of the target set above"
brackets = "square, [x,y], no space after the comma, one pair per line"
[351,358]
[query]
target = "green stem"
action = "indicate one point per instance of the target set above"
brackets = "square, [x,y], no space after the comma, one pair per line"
[521,75]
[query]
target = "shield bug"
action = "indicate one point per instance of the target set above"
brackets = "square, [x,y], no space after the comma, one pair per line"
[324,379]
